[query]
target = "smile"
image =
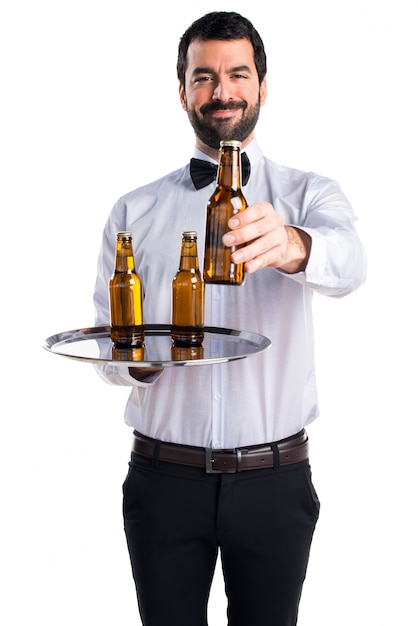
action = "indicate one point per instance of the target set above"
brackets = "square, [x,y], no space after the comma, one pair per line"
[224,113]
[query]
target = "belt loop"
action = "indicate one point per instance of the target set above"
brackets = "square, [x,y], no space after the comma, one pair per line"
[239,457]
[156,453]
[276,456]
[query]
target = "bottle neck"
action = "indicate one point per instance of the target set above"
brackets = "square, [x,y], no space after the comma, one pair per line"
[229,171]
[188,256]
[124,261]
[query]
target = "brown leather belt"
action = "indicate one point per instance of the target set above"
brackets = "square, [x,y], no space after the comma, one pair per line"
[226,460]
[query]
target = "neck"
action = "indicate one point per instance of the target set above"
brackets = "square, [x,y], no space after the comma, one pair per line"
[214,154]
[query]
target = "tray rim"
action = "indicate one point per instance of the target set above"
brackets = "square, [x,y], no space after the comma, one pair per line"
[99,332]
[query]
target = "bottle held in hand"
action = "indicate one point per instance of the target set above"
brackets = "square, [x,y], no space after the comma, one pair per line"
[226,201]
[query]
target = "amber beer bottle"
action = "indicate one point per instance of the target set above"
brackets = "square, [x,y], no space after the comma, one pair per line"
[226,201]
[125,295]
[188,291]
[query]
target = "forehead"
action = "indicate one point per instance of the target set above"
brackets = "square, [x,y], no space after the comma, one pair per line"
[220,55]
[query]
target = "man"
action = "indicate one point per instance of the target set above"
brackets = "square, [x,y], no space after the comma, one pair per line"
[250,414]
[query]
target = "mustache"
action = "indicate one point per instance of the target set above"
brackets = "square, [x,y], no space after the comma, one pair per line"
[221,106]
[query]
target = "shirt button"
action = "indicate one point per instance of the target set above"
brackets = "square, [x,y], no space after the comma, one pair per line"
[217,396]
[216,295]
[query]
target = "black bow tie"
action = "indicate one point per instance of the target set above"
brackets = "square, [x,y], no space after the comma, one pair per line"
[204,172]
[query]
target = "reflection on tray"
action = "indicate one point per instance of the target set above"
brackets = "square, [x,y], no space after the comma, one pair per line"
[128,354]
[185,353]
[178,353]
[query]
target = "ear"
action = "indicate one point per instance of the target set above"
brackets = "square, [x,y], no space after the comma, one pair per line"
[263,91]
[182,95]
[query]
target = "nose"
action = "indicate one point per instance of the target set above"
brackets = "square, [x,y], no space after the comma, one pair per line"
[222,91]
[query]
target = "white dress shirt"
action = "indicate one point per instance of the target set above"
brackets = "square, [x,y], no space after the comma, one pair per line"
[270,395]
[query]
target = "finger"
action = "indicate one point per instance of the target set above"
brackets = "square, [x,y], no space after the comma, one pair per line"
[251,214]
[265,233]
[274,257]
[261,247]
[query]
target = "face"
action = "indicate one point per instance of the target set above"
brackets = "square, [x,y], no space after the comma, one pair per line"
[222,94]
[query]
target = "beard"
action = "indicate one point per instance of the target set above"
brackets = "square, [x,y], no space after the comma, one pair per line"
[216,130]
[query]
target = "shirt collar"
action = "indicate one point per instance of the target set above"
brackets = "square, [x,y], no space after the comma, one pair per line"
[253,151]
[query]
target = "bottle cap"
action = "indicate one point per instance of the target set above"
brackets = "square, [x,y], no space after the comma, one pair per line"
[189,233]
[231,142]
[125,234]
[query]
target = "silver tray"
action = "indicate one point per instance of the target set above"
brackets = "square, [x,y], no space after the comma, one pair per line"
[93,345]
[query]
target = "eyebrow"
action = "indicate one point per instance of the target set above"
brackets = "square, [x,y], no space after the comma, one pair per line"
[232,70]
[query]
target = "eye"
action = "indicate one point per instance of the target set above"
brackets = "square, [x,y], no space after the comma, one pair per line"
[203,79]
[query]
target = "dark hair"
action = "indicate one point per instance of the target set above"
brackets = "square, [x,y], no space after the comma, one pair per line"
[221,25]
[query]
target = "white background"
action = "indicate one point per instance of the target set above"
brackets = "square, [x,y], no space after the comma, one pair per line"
[89,111]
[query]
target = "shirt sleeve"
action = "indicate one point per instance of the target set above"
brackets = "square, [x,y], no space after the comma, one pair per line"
[337,263]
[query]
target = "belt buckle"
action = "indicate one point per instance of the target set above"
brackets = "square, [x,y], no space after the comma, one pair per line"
[210,460]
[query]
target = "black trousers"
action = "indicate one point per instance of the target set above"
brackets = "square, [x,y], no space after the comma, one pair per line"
[177,518]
